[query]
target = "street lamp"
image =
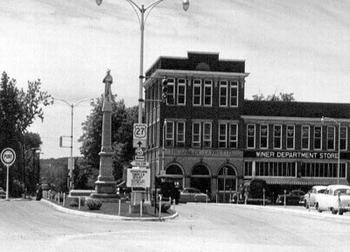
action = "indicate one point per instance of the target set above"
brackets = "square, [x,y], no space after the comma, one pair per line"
[323,119]
[70,163]
[142,20]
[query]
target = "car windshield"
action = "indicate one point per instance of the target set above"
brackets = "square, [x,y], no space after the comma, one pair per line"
[342,191]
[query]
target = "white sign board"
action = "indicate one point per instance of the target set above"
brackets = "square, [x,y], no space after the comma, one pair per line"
[137,177]
[140,163]
[139,135]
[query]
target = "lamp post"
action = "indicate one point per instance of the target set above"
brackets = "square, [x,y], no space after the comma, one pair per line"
[142,20]
[323,119]
[70,163]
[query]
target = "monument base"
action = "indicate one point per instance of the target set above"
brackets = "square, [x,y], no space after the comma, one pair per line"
[105,191]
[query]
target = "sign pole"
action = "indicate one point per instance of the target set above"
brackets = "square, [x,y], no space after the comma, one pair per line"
[7,182]
[8,157]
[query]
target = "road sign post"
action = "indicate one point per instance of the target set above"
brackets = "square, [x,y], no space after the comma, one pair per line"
[8,157]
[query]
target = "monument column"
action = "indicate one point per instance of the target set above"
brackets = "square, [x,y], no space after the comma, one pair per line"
[105,184]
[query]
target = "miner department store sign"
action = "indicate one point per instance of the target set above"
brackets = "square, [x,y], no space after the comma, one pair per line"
[295,155]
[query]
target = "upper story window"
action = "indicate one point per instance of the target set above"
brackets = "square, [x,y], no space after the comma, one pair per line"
[305,137]
[251,136]
[228,135]
[223,93]
[317,138]
[233,135]
[169,134]
[202,134]
[208,91]
[264,136]
[331,138]
[222,135]
[171,92]
[290,136]
[197,92]
[207,135]
[180,134]
[234,93]
[343,138]
[228,93]
[277,136]
[181,91]
[196,134]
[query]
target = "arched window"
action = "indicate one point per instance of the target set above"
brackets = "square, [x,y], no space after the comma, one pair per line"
[200,170]
[200,178]
[227,179]
[174,172]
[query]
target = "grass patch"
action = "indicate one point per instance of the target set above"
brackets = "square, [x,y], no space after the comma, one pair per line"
[112,208]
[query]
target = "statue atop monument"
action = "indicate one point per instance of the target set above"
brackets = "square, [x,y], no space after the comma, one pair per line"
[108,80]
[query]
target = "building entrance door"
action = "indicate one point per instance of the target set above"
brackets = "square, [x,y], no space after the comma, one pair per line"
[201,179]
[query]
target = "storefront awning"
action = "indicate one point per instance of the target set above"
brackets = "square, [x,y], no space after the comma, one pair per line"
[304,181]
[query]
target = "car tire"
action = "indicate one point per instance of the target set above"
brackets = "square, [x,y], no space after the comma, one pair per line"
[306,205]
[317,208]
[334,211]
[340,212]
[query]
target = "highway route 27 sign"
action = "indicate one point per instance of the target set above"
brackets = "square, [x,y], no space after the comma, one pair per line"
[139,135]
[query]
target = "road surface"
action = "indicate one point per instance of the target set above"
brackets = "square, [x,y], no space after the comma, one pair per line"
[36,226]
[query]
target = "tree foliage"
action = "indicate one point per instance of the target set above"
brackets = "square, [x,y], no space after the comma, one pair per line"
[18,110]
[122,127]
[285,97]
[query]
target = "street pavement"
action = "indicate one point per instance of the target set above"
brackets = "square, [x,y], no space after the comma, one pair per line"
[37,226]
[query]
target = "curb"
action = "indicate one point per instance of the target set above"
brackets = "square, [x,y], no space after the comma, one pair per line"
[107,216]
[311,214]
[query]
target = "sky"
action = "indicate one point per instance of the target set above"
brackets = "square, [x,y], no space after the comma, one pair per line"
[300,47]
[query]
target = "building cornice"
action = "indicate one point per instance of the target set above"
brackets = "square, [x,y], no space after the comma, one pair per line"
[294,120]
[186,74]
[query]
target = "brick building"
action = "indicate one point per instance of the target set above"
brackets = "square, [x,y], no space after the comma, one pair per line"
[206,135]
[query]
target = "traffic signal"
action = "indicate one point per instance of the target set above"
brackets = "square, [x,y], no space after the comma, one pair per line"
[164,89]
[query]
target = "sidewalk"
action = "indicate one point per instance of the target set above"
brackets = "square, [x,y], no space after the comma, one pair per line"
[300,210]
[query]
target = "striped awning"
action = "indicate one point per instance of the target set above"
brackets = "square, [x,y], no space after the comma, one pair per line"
[304,181]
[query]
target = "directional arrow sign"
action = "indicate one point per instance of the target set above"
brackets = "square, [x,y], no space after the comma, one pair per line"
[137,143]
[140,163]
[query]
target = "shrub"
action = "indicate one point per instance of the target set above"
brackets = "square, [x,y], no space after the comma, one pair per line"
[74,201]
[73,204]
[93,204]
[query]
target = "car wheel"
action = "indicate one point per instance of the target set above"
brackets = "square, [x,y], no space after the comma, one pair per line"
[317,208]
[334,211]
[306,205]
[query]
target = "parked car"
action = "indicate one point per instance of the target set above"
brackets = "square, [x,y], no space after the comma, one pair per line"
[253,191]
[2,193]
[336,198]
[190,194]
[310,196]
[294,197]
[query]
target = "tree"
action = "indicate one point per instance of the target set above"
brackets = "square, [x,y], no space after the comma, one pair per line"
[18,110]
[32,142]
[285,97]
[122,133]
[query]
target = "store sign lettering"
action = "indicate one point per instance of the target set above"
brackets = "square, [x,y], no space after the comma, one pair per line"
[194,152]
[296,154]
